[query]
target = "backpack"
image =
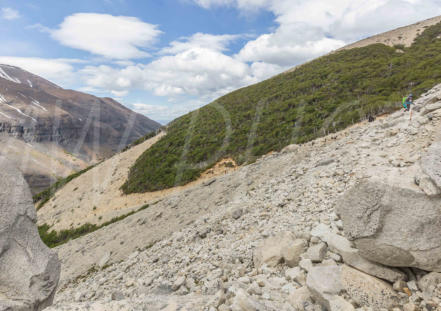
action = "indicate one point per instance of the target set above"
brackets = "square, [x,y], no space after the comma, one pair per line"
[404,102]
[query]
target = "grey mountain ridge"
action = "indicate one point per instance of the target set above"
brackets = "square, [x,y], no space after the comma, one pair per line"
[37,111]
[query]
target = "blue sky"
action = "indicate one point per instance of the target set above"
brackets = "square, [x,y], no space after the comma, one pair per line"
[164,58]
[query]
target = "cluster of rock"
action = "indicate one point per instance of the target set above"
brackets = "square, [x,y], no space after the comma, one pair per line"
[346,222]
[29,271]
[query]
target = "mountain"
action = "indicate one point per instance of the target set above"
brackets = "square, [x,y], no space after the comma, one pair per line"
[296,107]
[200,248]
[273,234]
[49,131]
[319,97]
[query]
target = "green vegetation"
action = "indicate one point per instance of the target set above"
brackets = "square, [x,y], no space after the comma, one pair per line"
[44,196]
[320,97]
[53,238]
[140,140]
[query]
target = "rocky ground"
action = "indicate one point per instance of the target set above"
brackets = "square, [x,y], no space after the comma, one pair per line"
[267,236]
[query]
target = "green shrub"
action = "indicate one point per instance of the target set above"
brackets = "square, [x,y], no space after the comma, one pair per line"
[53,238]
[320,97]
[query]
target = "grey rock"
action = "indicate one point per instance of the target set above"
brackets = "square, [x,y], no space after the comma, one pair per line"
[243,302]
[104,260]
[295,274]
[430,285]
[351,256]
[306,264]
[29,270]
[178,283]
[431,163]
[291,252]
[368,291]
[430,108]
[326,282]
[354,259]
[237,213]
[409,307]
[117,295]
[428,186]
[317,252]
[281,247]
[338,303]
[300,298]
[325,162]
[393,226]
[399,285]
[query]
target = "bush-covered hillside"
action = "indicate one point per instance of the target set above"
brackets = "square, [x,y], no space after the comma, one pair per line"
[324,95]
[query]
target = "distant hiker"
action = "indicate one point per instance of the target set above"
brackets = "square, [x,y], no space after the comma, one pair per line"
[407,104]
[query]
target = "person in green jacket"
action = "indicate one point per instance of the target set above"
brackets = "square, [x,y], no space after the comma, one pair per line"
[407,104]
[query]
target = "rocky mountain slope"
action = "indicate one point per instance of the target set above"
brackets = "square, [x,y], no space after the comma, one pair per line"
[46,117]
[278,234]
[404,36]
[96,197]
[319,97]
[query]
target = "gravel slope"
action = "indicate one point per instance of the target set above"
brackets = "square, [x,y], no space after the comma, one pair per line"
[178,254]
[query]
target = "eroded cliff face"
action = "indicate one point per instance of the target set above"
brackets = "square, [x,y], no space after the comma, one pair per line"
[38,112]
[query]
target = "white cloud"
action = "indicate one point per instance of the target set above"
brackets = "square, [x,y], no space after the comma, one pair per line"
[242,4]
[194,66]
[9,14]
[120,94]
[276,49]
[201,66]
[309,28]
[201,40]
[115,37]
[59,71]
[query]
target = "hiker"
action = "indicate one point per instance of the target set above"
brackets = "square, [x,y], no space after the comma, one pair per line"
[407,104]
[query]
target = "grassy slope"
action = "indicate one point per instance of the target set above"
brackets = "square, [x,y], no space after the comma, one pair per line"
[325,95]
[44,196]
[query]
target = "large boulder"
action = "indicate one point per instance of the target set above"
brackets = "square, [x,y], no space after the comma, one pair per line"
[393,226]
[326,283]
[29,271]
[431,163]
[351,256]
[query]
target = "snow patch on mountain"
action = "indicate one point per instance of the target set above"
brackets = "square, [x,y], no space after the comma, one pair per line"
[4,75]
[5,115]
[21,112]
[37,103]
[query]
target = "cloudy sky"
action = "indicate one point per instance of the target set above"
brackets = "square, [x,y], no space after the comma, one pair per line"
[164,58]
